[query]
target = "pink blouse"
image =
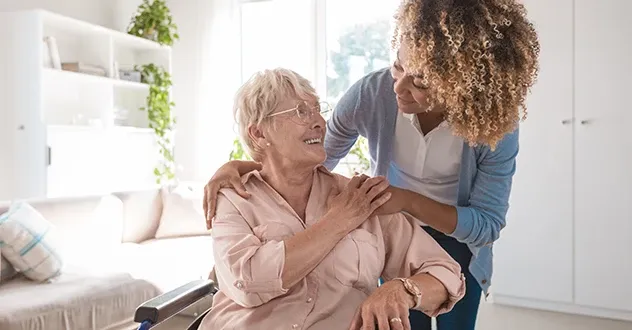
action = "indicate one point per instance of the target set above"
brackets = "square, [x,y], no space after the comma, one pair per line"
[249,253]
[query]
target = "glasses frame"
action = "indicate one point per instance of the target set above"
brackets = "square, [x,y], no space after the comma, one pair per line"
[321,112]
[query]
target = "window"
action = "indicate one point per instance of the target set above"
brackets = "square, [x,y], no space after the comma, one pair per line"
[333,43]
[358,42]
[277,33]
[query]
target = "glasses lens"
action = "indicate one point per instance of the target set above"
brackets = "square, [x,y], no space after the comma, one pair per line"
[302,111]
[305,111]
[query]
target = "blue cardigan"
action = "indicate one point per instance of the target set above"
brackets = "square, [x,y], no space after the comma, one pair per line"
[369,108]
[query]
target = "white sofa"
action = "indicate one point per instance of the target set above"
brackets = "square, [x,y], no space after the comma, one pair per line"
[118,250]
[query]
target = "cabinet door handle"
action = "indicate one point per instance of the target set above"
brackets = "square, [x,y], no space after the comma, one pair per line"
[585,121]
[49,155]
[566,121]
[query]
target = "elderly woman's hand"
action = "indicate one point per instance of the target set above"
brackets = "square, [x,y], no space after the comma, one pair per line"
[358,200]
[387,308]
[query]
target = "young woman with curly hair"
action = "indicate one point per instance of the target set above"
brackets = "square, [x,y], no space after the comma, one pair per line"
[442,127]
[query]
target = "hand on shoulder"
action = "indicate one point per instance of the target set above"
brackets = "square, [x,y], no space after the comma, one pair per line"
[227,176]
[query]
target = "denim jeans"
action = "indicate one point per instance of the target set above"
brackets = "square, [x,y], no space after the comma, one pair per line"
[463,315]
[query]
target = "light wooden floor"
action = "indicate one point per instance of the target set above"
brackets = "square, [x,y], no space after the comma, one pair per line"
[496,317]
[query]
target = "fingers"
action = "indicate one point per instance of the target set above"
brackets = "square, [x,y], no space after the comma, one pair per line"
[205,204]
[355,181]
[368,320]
[382,321]
[211,201]
[382,317]
[403,317]
[405,320]
[370,183]
[396,324]
[239,187]
[210,197]
[380,201]
[378,189]
[356,323]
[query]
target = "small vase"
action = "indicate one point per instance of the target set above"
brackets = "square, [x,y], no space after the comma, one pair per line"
[151,34]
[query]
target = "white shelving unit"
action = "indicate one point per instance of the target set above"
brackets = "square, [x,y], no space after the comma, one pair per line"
[59,130]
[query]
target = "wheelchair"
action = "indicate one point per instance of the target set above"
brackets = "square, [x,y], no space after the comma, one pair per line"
[159,309]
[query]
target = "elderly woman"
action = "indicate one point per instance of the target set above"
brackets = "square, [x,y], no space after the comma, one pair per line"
[305,250]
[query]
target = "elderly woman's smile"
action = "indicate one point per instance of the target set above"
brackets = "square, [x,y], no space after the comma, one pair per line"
[292,135]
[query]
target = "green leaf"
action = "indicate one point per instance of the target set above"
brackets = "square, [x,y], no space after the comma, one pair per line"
[154,16]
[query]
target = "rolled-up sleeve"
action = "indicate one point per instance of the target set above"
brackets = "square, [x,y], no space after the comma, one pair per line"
[411,251]
[248,270]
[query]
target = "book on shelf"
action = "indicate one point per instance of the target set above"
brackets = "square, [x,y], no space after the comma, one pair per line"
[84,68]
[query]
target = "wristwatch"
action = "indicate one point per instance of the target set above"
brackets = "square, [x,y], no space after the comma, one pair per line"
[413,289]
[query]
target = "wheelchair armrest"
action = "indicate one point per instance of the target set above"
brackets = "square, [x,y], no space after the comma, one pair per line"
[171,303]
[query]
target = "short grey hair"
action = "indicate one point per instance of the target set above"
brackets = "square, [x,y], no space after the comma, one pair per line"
[258,97]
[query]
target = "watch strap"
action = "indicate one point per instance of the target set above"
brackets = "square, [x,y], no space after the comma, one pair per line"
[412,288]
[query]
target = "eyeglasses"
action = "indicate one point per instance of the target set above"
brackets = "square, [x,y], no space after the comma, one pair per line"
[304,111]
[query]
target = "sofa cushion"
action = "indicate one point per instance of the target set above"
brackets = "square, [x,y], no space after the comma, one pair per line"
[91,225]
[26,241]
[182,213]
[73,301]
[142,211]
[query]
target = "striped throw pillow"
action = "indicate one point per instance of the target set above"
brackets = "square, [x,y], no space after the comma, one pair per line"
[7,271]
[26,242]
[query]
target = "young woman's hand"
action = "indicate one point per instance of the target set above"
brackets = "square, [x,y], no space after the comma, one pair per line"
[397,202]
[357,201]
[227,176]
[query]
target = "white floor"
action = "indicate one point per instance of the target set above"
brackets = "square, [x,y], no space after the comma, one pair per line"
[496,317]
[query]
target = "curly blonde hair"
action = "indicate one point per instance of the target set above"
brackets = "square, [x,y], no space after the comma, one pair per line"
[479,59]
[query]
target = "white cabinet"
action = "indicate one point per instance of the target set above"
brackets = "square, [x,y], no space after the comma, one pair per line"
[20,130]
[58,133]
[603,154]
[568,242]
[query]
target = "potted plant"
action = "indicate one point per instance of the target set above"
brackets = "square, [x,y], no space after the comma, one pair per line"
[153,21]
[161,118]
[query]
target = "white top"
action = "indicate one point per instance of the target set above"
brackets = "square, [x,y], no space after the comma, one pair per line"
[428,165]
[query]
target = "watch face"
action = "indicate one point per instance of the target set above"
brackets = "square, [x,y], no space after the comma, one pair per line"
[412,288]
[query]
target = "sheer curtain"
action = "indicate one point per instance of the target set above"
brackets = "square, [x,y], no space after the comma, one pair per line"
[206,74]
